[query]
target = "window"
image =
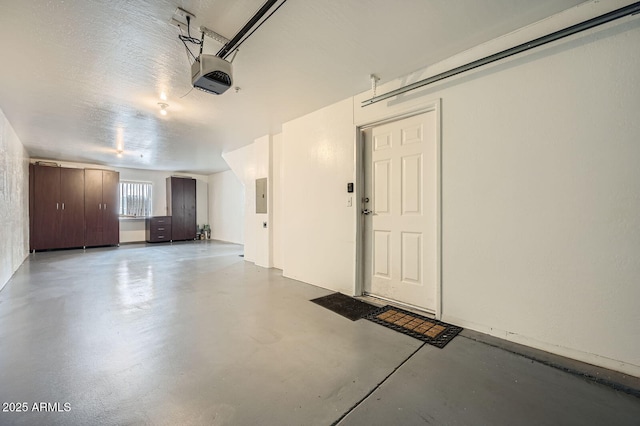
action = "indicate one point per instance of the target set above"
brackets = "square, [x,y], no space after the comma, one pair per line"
[135,199]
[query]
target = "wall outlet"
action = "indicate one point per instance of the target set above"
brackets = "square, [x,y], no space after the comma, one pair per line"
[349,201]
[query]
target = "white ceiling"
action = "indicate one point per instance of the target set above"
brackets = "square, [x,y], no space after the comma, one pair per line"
[77,76]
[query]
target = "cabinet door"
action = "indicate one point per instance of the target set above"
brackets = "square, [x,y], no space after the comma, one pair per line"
[46,208]
[110,218]
[71,208]
[177,209]
[189,200]
[93,207]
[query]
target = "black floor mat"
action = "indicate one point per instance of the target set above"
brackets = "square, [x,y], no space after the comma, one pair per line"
[433,332]
[346,306]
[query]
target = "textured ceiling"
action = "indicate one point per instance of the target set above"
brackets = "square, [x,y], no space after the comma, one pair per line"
[79,77]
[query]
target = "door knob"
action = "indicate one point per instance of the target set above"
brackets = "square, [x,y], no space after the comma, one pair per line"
[367,211]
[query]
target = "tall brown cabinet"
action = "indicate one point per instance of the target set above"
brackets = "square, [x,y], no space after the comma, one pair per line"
[101,207]
[181,206]
[72,207]
[57,210]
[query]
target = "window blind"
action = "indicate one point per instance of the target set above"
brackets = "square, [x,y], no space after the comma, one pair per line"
[135,199]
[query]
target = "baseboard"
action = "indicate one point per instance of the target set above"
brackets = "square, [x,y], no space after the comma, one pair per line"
[589,358]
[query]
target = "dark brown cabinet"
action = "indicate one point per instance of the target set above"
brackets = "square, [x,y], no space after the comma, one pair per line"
[56,207]
[158,229]
[181,206]
[101,208]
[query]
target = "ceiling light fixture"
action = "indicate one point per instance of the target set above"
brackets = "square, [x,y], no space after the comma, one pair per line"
[163,107]
[119,141]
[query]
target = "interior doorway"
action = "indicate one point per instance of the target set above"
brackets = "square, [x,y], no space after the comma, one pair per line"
[400,220]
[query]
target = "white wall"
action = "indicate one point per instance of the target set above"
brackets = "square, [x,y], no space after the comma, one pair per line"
[14,201]
[248,164]
[540,184]
[318,235]
[202,200]
[541,232]
[277,223]
[242,162]
[226,207]
[263,256]
[133,230]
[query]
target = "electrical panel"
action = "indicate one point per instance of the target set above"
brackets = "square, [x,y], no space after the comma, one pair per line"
[261,195]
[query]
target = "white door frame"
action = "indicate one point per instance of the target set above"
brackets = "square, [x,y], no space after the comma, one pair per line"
[358,202]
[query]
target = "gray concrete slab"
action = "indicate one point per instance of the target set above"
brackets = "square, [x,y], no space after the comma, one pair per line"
[615,379]
[183,334]
[191,334]
[472,383]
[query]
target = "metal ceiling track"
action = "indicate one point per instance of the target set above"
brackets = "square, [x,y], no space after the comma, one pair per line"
[255,21]
[631,9]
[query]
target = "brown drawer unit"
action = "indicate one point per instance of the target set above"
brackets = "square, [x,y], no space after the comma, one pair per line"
[158,229]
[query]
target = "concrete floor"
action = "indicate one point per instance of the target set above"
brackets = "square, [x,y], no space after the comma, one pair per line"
[191,334]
